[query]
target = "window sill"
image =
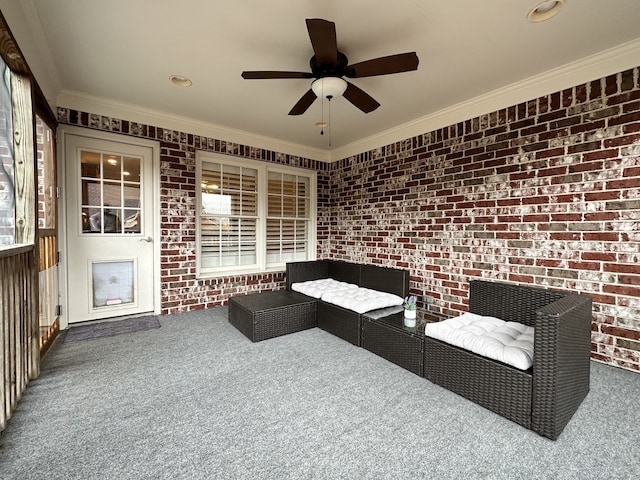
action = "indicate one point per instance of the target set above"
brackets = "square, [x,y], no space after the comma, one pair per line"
[239,273]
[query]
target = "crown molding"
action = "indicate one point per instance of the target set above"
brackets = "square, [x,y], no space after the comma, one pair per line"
[602,64]
[590,68]
[134,113]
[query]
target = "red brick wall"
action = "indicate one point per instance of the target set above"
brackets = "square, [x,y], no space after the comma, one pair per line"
[546,192]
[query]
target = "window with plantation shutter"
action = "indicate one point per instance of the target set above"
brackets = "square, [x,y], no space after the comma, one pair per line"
[228,215]
[253,216]
[287,217]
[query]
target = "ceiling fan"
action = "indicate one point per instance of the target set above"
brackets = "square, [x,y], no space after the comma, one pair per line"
[329,65]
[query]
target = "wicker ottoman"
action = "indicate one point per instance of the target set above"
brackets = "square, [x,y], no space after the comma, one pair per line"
[270,314]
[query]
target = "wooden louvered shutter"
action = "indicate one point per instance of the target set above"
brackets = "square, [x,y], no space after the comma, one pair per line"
[228,223]
[287,217]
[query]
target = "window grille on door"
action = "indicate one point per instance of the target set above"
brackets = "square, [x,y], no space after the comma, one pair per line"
[111,192]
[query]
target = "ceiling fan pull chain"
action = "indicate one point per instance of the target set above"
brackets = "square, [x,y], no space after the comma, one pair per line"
[322,108]
[329,97]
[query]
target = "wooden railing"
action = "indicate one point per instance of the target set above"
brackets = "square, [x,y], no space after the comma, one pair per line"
[19,328]
[19,290]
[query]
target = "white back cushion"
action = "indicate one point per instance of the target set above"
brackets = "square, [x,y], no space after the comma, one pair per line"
[361,300]
[315,288]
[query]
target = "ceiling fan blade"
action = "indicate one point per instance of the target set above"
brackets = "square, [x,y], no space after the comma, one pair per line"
[304,103]
[360,98]
[323,40]
[402,62]
[259,75]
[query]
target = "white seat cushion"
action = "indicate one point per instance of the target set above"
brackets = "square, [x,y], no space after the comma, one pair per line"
[361,300]
[315,288]
[507,342]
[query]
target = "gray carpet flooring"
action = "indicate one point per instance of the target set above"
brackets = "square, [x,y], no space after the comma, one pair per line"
[195,399]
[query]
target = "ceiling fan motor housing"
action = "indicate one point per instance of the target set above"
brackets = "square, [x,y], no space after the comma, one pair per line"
[320,70]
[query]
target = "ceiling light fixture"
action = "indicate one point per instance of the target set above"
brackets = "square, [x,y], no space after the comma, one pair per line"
[545,10]
[180,80]
[329,87]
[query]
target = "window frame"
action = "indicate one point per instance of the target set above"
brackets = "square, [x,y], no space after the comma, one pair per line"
[263,169]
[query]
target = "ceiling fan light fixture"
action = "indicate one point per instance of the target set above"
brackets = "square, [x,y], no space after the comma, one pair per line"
[329,87]
[545,10]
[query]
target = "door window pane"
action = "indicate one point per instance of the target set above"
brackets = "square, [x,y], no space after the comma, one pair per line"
[131,169]
[111,193]
[112,168]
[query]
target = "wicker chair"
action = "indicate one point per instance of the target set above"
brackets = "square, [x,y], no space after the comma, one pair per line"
[545,397]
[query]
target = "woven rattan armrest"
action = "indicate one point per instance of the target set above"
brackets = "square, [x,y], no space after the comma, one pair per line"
[561,362]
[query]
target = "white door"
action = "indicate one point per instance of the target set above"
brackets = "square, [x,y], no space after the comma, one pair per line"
[109,228]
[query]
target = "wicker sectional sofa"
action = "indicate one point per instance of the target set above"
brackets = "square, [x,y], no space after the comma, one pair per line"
[339,321]
[543,398]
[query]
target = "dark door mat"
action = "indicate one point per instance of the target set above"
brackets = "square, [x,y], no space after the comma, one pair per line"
[109,329]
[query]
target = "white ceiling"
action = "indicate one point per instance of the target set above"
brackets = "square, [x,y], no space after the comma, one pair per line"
[122,52]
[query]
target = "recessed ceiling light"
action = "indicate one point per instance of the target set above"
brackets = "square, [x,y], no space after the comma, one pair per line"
[545,10]
[180,80]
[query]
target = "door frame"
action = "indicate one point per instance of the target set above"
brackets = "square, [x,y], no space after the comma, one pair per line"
[47,240]
[63,132]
